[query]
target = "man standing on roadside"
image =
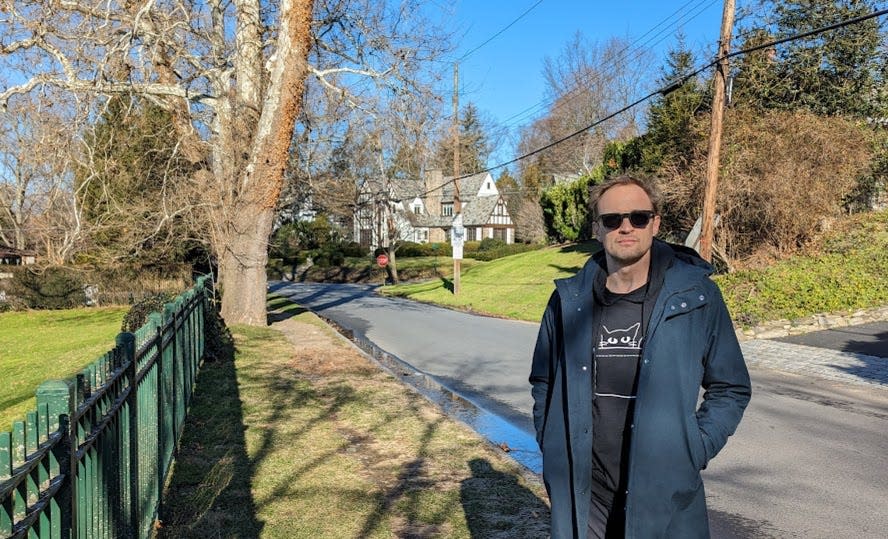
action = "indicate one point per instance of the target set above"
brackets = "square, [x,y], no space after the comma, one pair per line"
[623,350]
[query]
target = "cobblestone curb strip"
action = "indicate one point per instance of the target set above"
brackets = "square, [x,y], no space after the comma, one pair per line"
[785,328]
[808,360]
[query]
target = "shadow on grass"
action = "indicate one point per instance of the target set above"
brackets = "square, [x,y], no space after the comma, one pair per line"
[478,495]
[448,283]
[209,493]
[588,247]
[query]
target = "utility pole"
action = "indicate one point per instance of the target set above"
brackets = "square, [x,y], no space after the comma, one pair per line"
[715,131]
[457,207]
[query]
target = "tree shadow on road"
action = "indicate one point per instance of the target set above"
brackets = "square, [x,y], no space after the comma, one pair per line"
[872,356]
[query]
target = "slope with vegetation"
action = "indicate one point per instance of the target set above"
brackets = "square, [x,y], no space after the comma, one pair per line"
[843,269]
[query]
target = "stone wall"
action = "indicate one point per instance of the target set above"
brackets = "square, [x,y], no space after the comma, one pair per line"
[784,328]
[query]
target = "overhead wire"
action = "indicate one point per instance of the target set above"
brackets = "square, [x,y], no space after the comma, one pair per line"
[637,47]
[665,90]
[496,35]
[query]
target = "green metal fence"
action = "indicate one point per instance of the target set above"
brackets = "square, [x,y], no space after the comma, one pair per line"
[91,460]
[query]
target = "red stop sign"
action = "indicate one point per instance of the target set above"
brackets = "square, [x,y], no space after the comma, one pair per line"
[382,260]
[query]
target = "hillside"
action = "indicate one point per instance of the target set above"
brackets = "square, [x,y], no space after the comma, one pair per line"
[845,268]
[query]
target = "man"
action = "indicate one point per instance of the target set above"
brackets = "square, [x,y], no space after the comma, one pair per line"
[623,350]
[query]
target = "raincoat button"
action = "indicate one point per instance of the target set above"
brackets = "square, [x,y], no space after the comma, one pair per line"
[579,308]
[702,297]
[632,426]
[585,368]
[683,305]
[672,307]
[645,361]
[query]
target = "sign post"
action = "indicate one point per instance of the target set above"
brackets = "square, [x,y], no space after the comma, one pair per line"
[457,239]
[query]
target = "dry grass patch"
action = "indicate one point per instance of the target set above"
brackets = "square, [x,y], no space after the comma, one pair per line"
[324,444]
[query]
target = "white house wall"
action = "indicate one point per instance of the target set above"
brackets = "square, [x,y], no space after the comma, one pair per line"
[488,187]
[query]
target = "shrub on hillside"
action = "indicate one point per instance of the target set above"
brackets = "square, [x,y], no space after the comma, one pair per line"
[504,250]
[409,249]
[137,316]
[52,287]
[782,175]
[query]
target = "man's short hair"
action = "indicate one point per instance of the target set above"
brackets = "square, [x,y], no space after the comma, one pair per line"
[649,187]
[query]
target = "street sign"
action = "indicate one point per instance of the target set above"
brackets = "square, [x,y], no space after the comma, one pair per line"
[382,260]
[458,237]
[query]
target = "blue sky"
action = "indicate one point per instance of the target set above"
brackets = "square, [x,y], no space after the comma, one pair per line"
[504,77]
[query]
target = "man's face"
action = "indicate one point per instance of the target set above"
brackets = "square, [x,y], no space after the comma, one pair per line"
[626,244]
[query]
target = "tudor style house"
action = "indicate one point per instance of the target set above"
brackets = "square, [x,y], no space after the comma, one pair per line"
[423,211]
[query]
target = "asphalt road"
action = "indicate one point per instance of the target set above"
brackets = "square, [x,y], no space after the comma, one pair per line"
[869,339]
[810,458]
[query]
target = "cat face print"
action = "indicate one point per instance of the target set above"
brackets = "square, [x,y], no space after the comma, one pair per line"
[620,338]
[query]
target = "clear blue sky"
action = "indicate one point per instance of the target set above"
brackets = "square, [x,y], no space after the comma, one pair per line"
[504,77]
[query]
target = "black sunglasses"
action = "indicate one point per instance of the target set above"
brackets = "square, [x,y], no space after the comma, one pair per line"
[637,218]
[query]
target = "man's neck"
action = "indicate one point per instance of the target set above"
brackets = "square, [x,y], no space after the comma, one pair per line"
[622,279]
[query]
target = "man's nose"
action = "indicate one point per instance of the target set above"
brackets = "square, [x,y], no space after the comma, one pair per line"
[625,225]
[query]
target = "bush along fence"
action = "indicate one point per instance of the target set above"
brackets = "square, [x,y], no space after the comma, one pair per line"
[92,459]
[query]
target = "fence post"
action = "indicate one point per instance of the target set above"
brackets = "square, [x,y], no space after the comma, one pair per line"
[58,396]
[126,342]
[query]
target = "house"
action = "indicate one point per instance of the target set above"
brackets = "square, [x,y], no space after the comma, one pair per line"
[423,211]
[16,257]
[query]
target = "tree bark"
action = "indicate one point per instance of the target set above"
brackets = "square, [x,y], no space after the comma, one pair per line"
[248,224]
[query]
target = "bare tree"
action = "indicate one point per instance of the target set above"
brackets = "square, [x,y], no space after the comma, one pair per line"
[38,209]
[586,82]
[233,74]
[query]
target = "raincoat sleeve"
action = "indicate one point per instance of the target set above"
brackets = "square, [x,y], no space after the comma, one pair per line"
[545,359]
[725,380]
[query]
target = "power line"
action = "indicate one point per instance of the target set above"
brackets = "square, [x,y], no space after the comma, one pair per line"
[636,47]
[494,36]
[665,90]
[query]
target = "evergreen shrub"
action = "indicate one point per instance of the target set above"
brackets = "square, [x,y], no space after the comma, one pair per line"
[52,287]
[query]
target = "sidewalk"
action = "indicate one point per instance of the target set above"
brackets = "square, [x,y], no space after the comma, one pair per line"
[821,362]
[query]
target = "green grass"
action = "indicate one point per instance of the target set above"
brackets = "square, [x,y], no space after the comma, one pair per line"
[36,346]
[516,286]
[845,269]
[301,436]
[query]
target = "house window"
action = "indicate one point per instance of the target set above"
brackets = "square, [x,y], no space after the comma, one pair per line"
[499,233]
[447,209]
[488,186]
[366,237]
[417,209]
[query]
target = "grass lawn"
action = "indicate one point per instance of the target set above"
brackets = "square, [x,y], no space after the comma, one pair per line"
[516,286]
[842,270]
[301,436]
[36,346]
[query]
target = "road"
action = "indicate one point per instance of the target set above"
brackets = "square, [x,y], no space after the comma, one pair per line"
[810,458]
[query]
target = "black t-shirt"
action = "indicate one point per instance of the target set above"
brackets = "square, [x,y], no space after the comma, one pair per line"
[617,349]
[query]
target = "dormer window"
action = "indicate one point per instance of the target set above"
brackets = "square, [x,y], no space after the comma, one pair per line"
[488,186]
[447,209]
[417,209]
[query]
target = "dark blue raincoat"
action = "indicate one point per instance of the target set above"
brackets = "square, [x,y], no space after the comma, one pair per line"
[690,343]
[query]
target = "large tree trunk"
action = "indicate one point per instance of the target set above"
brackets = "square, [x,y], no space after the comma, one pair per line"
[242,244]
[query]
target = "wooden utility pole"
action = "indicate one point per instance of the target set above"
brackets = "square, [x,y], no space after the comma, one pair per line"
[715,131]
[457,207]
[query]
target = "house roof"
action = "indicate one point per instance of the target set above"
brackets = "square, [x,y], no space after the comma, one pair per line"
[468,187]
[478,210]
[7,251]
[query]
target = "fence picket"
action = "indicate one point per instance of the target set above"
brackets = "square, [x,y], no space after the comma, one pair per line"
[92,459]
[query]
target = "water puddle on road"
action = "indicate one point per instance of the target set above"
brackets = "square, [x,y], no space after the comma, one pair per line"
[515,442]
